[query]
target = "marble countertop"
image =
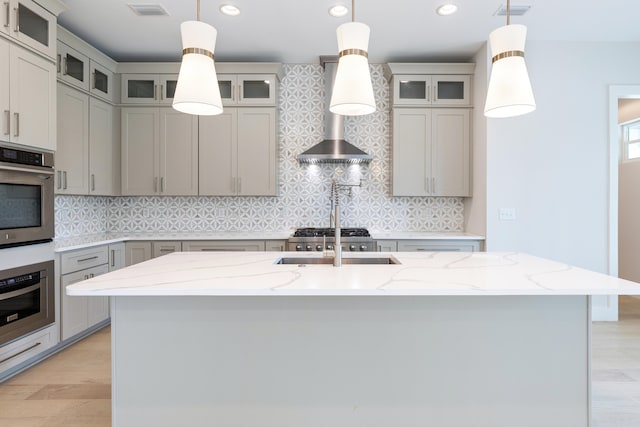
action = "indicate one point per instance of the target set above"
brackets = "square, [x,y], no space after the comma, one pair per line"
[420,273]
[81,242]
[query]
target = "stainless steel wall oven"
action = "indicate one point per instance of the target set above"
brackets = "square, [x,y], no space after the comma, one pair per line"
[26,197]
[26,300]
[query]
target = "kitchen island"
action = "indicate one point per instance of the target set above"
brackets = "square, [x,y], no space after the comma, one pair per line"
[442,339]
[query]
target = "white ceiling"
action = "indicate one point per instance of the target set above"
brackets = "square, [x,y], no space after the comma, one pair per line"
[299,31]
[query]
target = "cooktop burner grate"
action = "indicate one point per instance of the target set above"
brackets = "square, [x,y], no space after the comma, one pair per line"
[330,232]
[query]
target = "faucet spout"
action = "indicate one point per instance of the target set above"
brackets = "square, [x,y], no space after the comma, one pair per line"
[337,258]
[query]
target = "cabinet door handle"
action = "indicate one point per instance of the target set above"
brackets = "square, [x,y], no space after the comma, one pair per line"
[17,116]
[233,184]
[59,180]
[155,92]
[93,182]
[155,184]
[91,276]
[17,29]
[7,124]
[433,184]
[113,257]
[161,92]
[64,178]
[58,62]
[428,93]
[162,184]
[435,93]
[6,17]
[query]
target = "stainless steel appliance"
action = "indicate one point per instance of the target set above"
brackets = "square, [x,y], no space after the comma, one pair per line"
[26,300]
[319,239]
[26,196]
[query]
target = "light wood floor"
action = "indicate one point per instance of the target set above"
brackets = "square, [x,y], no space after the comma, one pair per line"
[73,388]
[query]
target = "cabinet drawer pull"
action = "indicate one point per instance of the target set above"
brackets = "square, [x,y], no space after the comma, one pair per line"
[20,352]
[6,17]
[88,259]
[7,125]
[17,29]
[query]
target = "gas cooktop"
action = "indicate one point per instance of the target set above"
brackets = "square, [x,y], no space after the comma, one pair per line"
[330,232]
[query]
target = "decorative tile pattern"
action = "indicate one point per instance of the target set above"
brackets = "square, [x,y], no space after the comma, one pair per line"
[303,189]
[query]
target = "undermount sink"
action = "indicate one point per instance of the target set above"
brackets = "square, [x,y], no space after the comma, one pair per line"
[345,260]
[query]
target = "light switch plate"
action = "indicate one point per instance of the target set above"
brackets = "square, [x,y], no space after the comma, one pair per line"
[507,214]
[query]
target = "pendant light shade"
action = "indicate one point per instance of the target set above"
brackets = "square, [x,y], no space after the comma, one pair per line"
[352,91]
[197,90]
[509,92]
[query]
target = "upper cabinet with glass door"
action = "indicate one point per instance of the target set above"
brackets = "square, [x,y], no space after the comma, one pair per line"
[148,88]
[441,85]
[73,67]
[30,24]
[247,89]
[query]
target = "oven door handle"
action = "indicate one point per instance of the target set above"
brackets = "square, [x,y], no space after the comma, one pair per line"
[34,170]
[19,292]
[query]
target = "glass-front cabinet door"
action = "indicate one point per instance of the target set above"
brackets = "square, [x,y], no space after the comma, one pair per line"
[101,81]
[256,89]
[167,88]
[451,90]
[441,90]
[73,67]
[148,88]
[27,21]
[228,84]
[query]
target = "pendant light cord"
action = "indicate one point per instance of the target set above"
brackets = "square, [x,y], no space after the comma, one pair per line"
[353,10]
[198,13]
[508,12]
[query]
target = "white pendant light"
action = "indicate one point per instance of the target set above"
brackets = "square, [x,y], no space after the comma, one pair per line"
[509,93]
[197,90]
[352,90]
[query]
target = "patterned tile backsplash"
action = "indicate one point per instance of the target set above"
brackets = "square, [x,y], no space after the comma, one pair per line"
[303,199]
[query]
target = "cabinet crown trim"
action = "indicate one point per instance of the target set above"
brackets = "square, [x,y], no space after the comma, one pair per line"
[428,68]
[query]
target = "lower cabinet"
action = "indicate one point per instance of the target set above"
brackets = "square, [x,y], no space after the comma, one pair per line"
[224,245]
[428,245]
[136,252]
[275,245]
[77,313]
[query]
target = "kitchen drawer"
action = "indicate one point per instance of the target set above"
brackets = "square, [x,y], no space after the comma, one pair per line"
[83,258]
[438,245]
[165,248]
[25,348]
[223,245]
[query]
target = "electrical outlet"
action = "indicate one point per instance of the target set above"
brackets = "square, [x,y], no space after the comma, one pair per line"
[507,214]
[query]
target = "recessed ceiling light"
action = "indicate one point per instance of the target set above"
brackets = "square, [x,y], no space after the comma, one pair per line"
[230,10]
[447,9]
[338,10]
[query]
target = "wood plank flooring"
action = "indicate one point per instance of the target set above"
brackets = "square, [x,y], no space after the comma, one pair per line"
[73,387]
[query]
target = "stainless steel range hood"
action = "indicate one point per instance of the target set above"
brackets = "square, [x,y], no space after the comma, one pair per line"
[334,148]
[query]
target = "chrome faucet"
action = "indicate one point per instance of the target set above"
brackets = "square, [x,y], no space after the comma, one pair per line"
[335,199]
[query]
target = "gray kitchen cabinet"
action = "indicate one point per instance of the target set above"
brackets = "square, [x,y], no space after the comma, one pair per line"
[238,153]
[248,89]
[136,251]
[387,245]
[148,88]
[86,161]
[27,97]
[116,256]
[81,313]
[438,245]
[159,152]
[275,245]
[165,247]
[223,245]
[29,23]
[73,67]
[431,152]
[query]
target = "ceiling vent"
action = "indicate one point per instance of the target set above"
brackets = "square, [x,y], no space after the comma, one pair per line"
[515,10]
[148,10]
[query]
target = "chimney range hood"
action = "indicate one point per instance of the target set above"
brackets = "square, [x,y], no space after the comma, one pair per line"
[334,148]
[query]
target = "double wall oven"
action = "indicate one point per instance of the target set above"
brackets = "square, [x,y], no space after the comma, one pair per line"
[27,300]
